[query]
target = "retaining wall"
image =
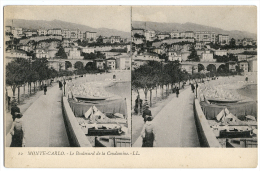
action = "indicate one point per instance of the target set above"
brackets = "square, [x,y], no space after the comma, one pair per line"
[76,136]
[206,136]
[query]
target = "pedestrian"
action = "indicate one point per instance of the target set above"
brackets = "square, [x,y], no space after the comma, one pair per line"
[146,113]
[177,92]
[14,109]
[45,89]
[148,133]
[60,85]
[192,88]
[17,132]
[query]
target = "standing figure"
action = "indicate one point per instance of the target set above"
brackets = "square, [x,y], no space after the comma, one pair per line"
[146,113]
[192,88]
[14,109]
[60,85]
[45,89]
[177,91]
[17,132]
[148,133]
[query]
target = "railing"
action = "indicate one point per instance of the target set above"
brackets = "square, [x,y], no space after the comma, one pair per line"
[206,136]
[76,136]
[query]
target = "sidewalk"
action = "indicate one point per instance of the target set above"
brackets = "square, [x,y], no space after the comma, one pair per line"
[43,121]
[175,124]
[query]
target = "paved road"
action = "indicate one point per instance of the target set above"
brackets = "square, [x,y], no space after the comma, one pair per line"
[43,121]
[175,124]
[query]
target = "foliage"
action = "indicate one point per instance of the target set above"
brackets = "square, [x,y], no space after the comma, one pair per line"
[68,65]
[61,53]
[193,55]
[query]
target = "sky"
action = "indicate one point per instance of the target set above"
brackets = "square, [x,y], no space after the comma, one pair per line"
[224,17]
[116,17]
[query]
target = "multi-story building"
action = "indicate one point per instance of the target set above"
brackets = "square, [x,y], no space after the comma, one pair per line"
[162,36]
[91,35]
[17,32]
[247,41]
[149,35]
[80,35]
[223,39]
[41,53]
[123,63]
[205,36]
[99,63]
[115,39]
[74,34]
[220,52]
[8,29]
[174,56]
[65,33]
[111,63]
[138,31]
[30,33]
[74,53]
[87,50]
[175,34]
[207,56]
[42,32]
[189,34]
[13,54]
[243,65]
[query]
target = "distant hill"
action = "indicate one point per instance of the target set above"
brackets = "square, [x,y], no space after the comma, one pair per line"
[36,24]
[168,27]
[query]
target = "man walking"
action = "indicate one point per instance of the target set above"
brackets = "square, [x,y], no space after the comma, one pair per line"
[177,92]
[45,89]
[146,113]
[14,109]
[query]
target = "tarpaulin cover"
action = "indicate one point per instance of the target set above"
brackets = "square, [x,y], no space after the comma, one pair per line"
[105,106]
[240,109]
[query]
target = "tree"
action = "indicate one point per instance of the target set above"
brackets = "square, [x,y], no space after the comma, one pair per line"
[193,55]
[16,73]
[232,43]
[61,53]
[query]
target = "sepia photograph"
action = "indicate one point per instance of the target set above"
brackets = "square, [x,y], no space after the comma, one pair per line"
[67,76]
[194,76]
[175,86]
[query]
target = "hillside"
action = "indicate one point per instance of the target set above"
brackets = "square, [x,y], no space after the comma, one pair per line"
[36,24]
[168,27]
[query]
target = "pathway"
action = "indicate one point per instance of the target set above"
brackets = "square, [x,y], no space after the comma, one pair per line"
[43,121]
[175,124]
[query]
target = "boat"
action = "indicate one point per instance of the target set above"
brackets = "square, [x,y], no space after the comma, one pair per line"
[103,131]
[90,98]
[222,100]
[115,141]
[234,134]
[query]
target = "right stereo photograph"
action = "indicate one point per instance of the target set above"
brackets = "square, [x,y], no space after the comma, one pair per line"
[194,76]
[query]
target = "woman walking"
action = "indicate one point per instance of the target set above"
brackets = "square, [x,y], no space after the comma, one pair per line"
[148,133]
[17,132]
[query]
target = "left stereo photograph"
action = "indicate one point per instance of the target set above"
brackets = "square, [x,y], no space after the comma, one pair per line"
[67,76]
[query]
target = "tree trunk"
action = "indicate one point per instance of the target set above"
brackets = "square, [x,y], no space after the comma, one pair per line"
[24,89]
[34,87]
[30,88]
[13,89]
[162,90]
[156,93]
[145,93]
[138,103]
[151,97]
[18,94]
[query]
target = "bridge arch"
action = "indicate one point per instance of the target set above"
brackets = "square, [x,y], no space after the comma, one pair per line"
[201,67]
[68,65]
[211,68]
[78,65]
[222,68]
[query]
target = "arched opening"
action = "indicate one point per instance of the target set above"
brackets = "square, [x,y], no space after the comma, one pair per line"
[90,66]
[68,65]
[200,67]
[78,65]
[211,68]
[222,68]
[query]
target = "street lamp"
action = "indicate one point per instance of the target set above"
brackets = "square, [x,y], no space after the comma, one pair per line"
[64,83]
